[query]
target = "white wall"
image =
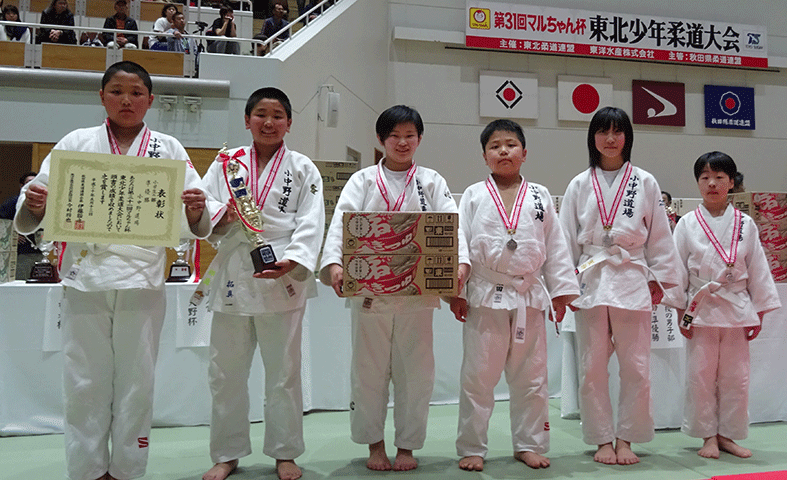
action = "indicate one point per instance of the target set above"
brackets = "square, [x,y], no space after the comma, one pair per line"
[443,85]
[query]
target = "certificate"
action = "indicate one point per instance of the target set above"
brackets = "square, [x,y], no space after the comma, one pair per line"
[118,199]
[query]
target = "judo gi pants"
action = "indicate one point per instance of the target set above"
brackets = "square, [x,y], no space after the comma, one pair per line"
[490,350]
[110,345]
[233,340]
[717,385]
[391,348]
[601,331]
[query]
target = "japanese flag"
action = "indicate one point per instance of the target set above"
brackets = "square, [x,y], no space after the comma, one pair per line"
[580,97]
[508,95]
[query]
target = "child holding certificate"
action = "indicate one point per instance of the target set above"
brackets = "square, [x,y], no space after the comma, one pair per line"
[114,300]
[391,336]
[264,186]
[521,269]
[620,241]
[728,290]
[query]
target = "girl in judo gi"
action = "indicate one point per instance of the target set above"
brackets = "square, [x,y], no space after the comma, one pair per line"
[621,243]
[521,267]
[264,308]
[114,301]
[391,336]
[726,287]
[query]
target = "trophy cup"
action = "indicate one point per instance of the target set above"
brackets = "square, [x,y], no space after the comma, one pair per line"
[180,270]
[43,271]
[249,214]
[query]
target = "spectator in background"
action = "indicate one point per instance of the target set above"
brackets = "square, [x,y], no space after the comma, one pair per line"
[737,183]
[57,13]
[179,43]
[319,11]
[163,23]
[224,26]
[26,252]
[13,34]
[671,214]
[275,23]
[121,21]
[259,49]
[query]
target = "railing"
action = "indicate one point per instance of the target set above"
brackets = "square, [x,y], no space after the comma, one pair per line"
[34,58]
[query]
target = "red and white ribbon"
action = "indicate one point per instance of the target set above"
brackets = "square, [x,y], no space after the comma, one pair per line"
[512,220]
[729,258]
[115,146]
[384,190]
[608,216]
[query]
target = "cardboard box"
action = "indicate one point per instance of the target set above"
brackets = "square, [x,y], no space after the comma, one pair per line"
[8,242]
[410,233]
[383,275]
[769,211]
[336,173]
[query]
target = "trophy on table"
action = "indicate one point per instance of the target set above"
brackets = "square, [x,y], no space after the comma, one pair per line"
[180,270]
[262,255]
[43,271]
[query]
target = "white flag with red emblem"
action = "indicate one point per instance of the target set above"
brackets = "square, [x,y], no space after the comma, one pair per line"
[508,95]
[578,98]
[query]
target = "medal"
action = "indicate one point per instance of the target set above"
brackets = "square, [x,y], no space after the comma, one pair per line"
[608,217]
[509,222]
[728,258]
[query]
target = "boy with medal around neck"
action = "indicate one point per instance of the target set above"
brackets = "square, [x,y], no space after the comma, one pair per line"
[262,308]
[114,300]
[391,335]
[620,240]
[521,269]
[725,290]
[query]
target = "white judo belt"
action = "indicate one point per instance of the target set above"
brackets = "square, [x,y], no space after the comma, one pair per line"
[521,284]
[727,291]
[616,255]
[129,251]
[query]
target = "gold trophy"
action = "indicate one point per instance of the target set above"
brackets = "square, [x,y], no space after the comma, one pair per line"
[249,214]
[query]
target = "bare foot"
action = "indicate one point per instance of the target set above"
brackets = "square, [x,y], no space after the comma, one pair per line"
[729,446]
[606,455]
[404,460]
[287,470]
[378,460]
[472,463]
[532,459]
[710,449]
[221,470]
[624,453]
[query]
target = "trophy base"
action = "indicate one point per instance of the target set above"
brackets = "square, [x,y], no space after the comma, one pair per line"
[263,258]
[43,272]
[179,273]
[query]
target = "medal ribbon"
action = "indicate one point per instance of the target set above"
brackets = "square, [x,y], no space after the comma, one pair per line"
[261,195]
[730,258]
[607,217]
[512,221]
[384,188]
[115,147]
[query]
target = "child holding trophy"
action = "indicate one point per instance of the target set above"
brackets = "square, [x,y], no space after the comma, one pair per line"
[268,205]
[114,300]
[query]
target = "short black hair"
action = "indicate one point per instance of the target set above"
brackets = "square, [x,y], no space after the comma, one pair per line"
[669,197]
[603,120]
[225,9]
[128,67]
[272,93]
[24,177]
[396,115]
[501,125]
[718,162]
[10,8]
[166,7]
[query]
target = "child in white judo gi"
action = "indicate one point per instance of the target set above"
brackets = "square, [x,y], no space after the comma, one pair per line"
[262,308]
[621,243]
[114,300]
[727,291]
[391,336]
[520,264]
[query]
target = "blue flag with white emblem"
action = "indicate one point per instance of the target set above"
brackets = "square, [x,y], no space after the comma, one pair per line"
[729,107]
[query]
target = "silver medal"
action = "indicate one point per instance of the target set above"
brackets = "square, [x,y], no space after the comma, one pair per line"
[511,244]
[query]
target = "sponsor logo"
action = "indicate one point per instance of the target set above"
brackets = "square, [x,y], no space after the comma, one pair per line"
[658,103]
[508,94]
[142,442]
[546,426]
[480,18]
